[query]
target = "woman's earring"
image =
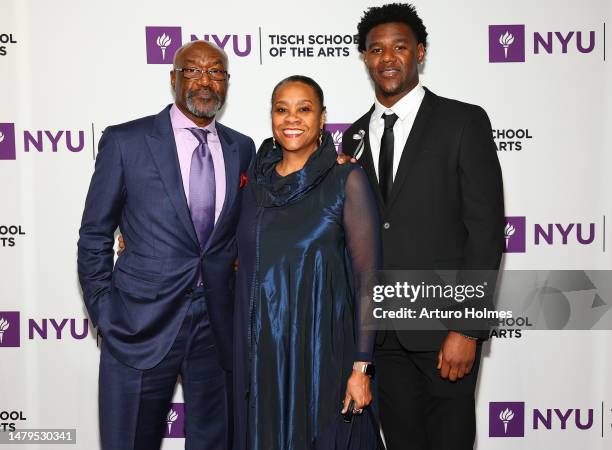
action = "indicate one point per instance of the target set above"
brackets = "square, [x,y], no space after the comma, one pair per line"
[273,143]
[321,137]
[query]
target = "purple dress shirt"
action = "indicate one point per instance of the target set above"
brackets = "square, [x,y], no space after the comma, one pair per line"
[186,144]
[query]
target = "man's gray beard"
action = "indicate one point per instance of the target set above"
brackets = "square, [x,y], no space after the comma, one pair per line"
[206,113]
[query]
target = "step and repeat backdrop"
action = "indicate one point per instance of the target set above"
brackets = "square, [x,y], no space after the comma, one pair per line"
[68,69]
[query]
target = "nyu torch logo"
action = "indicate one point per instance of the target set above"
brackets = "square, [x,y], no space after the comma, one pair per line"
[506,419]
[506,43]
[7,141]
[4,325]
[162,43]
[10,335]
[337,131]
[170,419]
[515,234]
[506,416]
[175,421]
[509,231]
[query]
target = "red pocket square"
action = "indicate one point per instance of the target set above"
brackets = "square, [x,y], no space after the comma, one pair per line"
[244,180]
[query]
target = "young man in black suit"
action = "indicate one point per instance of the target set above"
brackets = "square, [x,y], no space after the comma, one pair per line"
[433,165]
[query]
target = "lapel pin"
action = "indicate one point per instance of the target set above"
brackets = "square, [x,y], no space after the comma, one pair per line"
[359,136]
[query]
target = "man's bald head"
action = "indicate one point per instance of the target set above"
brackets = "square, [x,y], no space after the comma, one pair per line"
[198,46]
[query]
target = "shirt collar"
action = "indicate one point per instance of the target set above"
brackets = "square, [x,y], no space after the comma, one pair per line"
[404,106]
[181,121]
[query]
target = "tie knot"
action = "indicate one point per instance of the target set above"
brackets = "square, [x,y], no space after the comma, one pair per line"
[390,120]
[200,134]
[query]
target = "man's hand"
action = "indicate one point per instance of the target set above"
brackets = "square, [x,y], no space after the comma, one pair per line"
[342,158]
[456,356]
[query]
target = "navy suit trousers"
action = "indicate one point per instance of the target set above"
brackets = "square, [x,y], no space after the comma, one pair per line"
[134,403]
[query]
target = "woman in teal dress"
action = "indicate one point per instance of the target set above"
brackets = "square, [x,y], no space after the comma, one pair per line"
[308,235]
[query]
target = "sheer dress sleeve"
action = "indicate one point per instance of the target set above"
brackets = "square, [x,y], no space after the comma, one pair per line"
[362,229]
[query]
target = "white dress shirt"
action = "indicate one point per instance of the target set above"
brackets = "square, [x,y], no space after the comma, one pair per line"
[406,110]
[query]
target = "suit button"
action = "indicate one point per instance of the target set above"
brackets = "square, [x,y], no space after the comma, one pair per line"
[386,225]
[189,291]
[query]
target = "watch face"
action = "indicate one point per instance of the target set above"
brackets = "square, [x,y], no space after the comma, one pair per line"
[370,370]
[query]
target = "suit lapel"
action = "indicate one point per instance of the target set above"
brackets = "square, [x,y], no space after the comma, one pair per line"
[368,165]
[366,160]
[412,148]
[231,162]
[163,150]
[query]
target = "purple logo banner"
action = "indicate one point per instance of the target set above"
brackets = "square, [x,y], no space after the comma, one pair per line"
[515,234]
[506,419]
[506,43]
[337,131]
[9,329]
[7,141]
[175,421]
[162,43]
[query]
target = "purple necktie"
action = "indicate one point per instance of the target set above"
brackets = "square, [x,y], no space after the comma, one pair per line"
[202,187]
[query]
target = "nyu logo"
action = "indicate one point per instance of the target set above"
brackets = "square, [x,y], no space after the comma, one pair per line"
[9,329]
[337,131]
[7,141]
[507,42]
[506,419]
[547,420]
[548,232]
[515,234]
[39,140]
[59,328]
[223,40]
[175,421]
[163,42]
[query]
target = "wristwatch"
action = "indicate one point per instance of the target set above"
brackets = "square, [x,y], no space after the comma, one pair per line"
[471,338]
[368,368]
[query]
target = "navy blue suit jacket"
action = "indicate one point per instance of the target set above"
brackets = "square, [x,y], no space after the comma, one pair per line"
[139,304]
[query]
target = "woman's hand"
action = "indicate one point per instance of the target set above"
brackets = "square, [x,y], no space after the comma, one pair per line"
[342,159]
[121,248]
[357,389]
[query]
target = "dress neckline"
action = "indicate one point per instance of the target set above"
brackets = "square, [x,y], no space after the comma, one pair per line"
[272,189]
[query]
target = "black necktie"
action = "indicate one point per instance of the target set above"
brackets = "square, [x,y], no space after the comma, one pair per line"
[385,160]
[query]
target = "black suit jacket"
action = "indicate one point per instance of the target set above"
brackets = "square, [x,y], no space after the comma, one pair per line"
[446,209]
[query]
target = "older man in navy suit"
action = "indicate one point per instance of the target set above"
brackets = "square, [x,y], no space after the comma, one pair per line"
[171,183]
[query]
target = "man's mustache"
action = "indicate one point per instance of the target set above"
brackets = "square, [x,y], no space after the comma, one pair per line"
[203,91]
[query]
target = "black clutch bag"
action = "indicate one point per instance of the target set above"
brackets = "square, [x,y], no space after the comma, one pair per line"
[351,432]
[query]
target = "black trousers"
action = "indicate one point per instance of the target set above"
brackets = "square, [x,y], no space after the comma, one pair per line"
[418,409]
